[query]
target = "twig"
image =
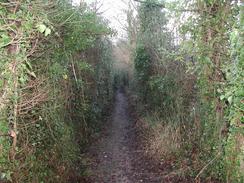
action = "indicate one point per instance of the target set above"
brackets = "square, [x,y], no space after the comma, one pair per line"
[33,48]
[209,163]
[73,68]
[4,135]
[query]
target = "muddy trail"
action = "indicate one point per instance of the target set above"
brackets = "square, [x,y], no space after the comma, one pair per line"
[119,156]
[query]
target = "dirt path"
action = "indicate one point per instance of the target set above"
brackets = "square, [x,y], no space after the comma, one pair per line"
[113,151]
[119,156]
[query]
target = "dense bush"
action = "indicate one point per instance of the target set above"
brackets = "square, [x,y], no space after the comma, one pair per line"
[55,85]
[190,85]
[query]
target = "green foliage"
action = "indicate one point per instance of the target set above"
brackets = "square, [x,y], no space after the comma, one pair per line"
[234,94]
[42,28]
[59,91]
[196,84]
[151,52]
[142,65]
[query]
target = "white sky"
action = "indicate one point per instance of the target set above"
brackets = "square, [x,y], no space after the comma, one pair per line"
[113,11]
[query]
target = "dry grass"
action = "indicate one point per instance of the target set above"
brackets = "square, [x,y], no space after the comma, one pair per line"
[165,141]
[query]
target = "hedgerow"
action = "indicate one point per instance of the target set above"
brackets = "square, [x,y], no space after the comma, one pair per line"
[56,78]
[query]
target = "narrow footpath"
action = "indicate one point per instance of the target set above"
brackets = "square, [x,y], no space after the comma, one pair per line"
[119,155]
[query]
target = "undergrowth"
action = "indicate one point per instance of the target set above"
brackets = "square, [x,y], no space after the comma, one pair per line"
[187,89]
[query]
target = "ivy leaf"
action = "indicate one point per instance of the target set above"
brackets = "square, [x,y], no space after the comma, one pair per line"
[47,31]
[6,176]
[230,99]
[38,125]
[4,40]
[222,97]
[219,90]
[44,29]
[41,28]
[65,76]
